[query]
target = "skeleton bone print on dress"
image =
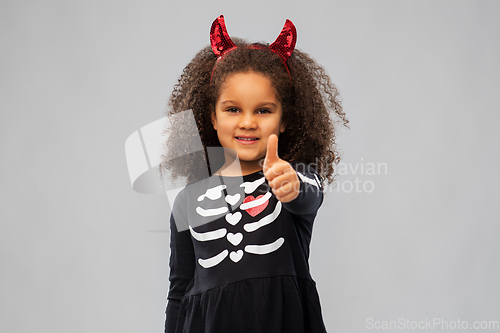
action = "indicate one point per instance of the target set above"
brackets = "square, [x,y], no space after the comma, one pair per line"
[241,209]
[232,242]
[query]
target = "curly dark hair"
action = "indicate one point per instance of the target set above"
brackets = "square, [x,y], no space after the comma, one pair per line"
[309,100]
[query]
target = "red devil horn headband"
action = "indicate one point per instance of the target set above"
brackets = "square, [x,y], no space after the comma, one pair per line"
[283,45]
[285,42]
[219,38]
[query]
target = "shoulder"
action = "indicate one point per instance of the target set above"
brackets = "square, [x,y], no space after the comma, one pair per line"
[307,174]
[180,200]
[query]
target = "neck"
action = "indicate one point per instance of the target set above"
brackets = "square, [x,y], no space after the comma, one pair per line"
[235,167]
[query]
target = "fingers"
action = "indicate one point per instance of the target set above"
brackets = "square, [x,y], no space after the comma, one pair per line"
[286,191]
[278,169]
[283,180]
[285,187]
[286,197]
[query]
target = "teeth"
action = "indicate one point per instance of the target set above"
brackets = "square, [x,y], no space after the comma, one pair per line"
[247,139]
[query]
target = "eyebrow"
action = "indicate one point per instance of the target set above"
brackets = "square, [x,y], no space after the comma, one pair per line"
[233,102]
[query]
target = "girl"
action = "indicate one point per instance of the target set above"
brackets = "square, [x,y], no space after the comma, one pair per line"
[240,236]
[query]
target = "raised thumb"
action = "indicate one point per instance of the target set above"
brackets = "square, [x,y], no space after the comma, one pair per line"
[272,151]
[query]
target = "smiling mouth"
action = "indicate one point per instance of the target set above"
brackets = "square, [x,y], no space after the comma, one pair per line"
[246,139]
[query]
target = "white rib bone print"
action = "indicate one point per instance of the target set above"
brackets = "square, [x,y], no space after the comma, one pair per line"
[256,202]
[250,187]
[213,193]
[250,227]
[233,219]
[305,179]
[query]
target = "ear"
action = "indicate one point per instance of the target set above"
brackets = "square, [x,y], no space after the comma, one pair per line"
[214,119]
[282,127]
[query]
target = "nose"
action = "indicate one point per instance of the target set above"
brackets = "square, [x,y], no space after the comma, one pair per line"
[247,121]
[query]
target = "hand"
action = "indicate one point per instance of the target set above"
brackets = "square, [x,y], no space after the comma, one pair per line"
[282,178]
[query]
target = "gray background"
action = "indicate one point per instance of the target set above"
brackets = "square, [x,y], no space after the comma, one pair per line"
[82,252]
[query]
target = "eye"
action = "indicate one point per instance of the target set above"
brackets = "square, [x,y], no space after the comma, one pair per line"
[232,110]
[263,111]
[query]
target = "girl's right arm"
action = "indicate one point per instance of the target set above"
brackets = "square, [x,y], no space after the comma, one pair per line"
[182,265]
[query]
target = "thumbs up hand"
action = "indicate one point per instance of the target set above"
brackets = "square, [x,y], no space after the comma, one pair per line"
[282,178]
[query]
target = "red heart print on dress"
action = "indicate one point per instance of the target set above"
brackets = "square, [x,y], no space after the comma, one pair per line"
[254,211]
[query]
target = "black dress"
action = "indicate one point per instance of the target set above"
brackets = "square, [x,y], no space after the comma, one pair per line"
[239,257]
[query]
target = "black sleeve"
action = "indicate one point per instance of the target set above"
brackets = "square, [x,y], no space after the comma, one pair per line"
[182,265]
[311,192]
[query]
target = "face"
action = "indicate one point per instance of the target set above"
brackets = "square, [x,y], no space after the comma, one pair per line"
[246,114]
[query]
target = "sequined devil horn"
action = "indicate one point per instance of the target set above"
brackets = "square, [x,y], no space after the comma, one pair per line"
[285,42]
[282,46]
[219,38]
